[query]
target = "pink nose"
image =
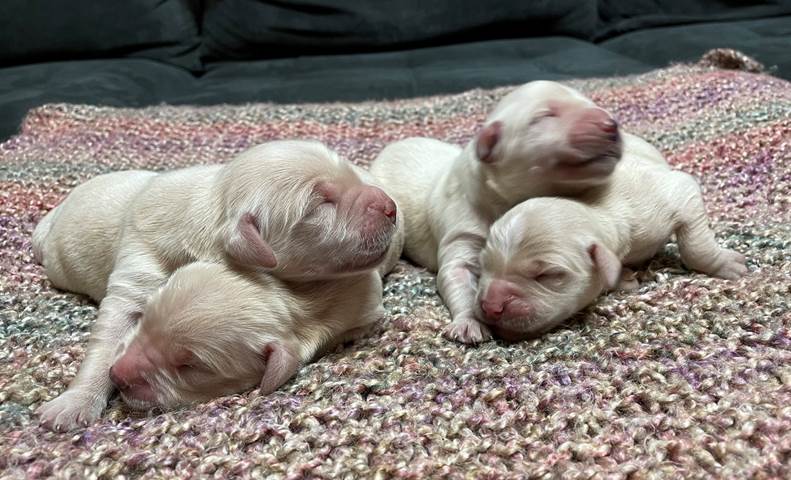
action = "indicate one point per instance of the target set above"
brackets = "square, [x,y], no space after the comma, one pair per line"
[390,210]
[128,370]
[598,119]
[387,208]
[123,379]
[609,126]
[497,298]
[493,310]
[118,379]
[384,205]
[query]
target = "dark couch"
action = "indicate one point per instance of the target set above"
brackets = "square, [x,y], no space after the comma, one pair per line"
[143,52]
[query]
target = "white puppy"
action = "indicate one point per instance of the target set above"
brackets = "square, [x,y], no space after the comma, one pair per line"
[547,258]
[293,209]
[541,139]
[212,331]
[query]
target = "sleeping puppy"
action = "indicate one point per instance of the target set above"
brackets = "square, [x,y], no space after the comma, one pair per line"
[212,331]
[291,209]
[541,139]
[547,258]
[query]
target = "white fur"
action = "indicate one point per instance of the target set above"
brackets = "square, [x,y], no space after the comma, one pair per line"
[117,238]
[628,220]
[225,319]
[449,197]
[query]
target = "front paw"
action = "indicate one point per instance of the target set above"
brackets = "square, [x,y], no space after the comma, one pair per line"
[628,280]
[467,330]
[732,265]
[71,409]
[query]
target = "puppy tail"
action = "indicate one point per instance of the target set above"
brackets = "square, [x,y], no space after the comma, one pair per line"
[41,232]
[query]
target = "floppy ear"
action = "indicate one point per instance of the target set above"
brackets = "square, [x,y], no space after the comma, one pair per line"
[606,264]
[487,140]
[245,244]
[280,366]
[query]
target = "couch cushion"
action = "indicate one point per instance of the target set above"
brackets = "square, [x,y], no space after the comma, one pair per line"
[116,82]
[419,72]
[137,82]
[767,40]
[617,17]
[246,29]
[46,30]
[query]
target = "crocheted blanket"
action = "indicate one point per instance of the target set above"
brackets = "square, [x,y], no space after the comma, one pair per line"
[688,376]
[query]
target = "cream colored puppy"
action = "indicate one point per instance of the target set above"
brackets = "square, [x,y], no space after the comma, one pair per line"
[212,331]
[292,209]
[547,258]
[541,139]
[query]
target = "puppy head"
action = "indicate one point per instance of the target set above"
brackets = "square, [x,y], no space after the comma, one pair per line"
[546,129]
[297,210]
[201,336]
[541,264]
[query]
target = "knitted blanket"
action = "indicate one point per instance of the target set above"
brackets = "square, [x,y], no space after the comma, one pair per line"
[688,376]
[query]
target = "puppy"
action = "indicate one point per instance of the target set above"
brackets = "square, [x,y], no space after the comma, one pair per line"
[547,258]
[212,331]
[291,209]
[541,139]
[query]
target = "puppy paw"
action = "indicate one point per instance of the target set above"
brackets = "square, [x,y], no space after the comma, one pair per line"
[468,330]
[628,280]
[71,409]
[732,265]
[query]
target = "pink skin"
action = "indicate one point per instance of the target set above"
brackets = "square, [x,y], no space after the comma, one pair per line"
[141,361]
[252,250]
[281,365]
[373,213]
[372,207]
[129,372]
[594,138]
[501,303]
[593,129]
[487,140]
[362,208]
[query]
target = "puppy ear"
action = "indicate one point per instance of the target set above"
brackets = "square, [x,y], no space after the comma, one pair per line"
[245,244]
[487,140]
[281,365]
[606,264]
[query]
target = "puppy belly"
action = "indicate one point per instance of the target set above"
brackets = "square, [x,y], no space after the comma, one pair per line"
[409,170]
[421,248]
[643,253]
[80,244]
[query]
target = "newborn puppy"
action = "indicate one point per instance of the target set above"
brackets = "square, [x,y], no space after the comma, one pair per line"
[292,209]
[541,139]
[212,331]
[547,258]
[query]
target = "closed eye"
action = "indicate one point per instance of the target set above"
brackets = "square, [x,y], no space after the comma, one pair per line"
[317,205]
[543,115]
[550,276]
[192,369]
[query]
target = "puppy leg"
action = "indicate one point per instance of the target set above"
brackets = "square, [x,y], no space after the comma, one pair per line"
[696,241]
[39,240]
[83,402]
[457,283]
[628,280]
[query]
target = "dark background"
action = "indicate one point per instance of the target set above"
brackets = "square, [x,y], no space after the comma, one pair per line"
[143,52]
